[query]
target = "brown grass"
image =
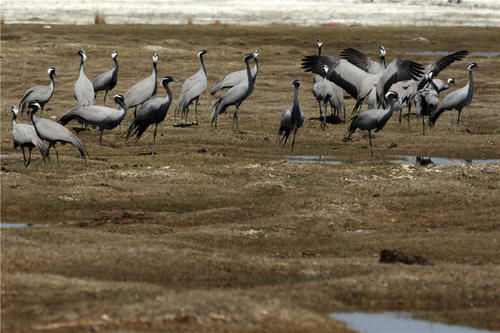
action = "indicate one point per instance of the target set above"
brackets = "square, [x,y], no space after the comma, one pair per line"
[221,231]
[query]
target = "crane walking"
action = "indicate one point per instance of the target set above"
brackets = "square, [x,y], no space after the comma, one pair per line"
[54,133]
[372,119]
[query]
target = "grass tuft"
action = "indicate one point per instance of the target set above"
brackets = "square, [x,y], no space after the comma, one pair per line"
[99,17]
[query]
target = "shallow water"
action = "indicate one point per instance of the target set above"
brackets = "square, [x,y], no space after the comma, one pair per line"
[10,155]
[397,159]
[397,322]
[19,225]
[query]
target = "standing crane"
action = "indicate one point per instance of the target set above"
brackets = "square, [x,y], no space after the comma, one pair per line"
[234,96]
[25,136]
[83,89]
[456,100]
[152,111]
[292,118]
[42,94]
[192,89]
[143,90]
[107,80]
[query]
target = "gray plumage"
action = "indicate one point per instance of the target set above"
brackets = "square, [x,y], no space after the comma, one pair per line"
[359,83]
[322,90]
[42,94]
[83,89]
[372,119]
[107,80]
[234,78]
[143,90]
[435,67]
[100,117]
[292,118]
[152,111]
[427,98]
[25,136]
[327,92]
[456,100]
[361,60]
[54,133]
[234,96]
[192,88]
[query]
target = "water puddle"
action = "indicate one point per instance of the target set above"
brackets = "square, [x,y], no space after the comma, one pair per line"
[10,155]
[19,225]
[397,322]
[443,53]
[397,159]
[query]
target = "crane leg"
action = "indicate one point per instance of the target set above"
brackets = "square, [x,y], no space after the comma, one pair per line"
[196,111]
[293,140]
[452,120]
[105,97]
[409,112]
[324,117]
[100,145]
[24,157]
[154,140]
[29,155]
[458,118]
[400,113]
[235,118]
[320,114]
[57,156]
[371,147]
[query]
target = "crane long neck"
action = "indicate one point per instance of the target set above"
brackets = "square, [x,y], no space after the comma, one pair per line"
[319,51]
[249,76]
[82,62]
[155,79]
[116,64]
[471,88]
[387,114]
[382,60]
[295,107]
[203,64]
[169,92]
[52,81]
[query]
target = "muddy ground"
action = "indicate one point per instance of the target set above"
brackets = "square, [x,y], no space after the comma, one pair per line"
[222,232]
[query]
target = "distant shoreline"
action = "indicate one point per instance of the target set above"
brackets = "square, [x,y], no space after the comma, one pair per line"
[478,13]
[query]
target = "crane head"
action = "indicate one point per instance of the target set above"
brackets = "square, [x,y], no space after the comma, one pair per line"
[114,54]
[296,83]
[471,66]
[52,71]
[167,79]
[451,80]
[256,54]
[202,52]
[320,43]
[382,51]
[82,54]
[155,57]
[34,106]
[391,95]
[15,111]
[247,57]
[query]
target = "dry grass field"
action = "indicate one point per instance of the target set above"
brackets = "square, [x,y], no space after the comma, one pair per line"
[222,231]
